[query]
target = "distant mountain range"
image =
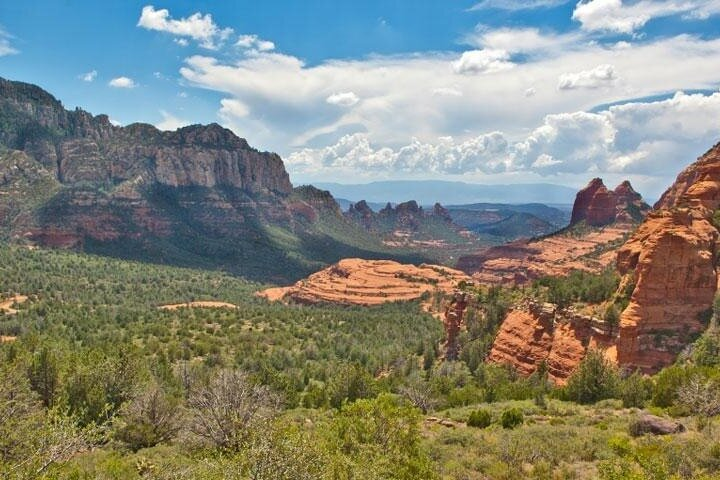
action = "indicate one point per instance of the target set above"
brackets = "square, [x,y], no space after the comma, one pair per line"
[428,192]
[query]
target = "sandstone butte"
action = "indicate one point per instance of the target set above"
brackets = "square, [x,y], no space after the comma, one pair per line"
[609,216]
[354,281]
[669,262]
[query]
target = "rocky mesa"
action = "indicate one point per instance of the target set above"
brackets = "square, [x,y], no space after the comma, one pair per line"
[354,281]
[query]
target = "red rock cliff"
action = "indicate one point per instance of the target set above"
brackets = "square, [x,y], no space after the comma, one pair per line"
[539,333]
[672,260]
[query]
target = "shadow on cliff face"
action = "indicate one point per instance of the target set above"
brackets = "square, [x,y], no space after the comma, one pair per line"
[221,229]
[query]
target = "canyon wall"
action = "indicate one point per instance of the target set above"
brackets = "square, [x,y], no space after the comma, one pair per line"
[672,260]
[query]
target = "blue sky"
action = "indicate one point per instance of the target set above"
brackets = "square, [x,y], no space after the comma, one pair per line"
[486,91]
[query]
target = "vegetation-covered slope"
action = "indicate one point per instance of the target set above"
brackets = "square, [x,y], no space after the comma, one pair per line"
[101,383]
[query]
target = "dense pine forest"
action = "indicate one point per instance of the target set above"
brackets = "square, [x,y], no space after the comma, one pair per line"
[100,382]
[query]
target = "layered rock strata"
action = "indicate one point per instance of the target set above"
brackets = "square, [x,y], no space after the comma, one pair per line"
[537,333]
[354,281]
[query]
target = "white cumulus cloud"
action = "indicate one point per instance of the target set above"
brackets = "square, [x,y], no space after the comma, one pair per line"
[600,76]
[483,61]
[122,82]
[620,16]
[634,138]
[197,26]
[233,108]
[356,153]
[343,99]
[253,42]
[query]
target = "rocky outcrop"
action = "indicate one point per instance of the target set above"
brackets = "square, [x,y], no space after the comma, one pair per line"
[405,216]
[537,333]
[598,206]
[311,203]
[441,212]
[652,424]
[354,281]
[79,147]
[672,261]
[108,179]
[362,214]
[595,204]
[669,265]
[408,225]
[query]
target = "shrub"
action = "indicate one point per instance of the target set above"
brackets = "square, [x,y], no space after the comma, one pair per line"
[594,379]
[350,383]
[377,438]
[667,384]
[511,418]
[706,351]
[150,418]
[464,396]
[635,391]
[612,316]
[479,418]
[227,407]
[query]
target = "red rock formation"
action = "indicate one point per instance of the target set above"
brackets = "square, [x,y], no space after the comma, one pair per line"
[599,206]
[453,321]
[595,204]
[524,341]
[362,214]
[672,260]
[441,212]
[520,262]
[539,333]
[354,281]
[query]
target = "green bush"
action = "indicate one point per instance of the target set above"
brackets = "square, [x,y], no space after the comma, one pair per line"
[480,418]
[635,391]
[612,316]
[596,378]
[667,383]
[580,286]
[511,418]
